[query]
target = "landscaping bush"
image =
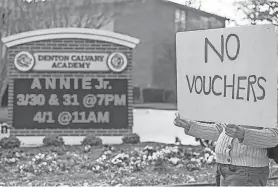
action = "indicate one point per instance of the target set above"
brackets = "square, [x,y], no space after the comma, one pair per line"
[10,142]
[132,138]
[91,140]
[53,140]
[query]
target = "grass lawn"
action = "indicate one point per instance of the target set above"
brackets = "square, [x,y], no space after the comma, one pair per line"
[157,106]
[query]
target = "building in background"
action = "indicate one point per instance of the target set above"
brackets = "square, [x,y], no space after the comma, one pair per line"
[155,23]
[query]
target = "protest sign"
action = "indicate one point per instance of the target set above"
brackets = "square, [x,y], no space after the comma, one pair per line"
[228,75]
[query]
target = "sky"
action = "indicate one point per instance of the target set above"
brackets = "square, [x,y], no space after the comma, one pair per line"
[225,8]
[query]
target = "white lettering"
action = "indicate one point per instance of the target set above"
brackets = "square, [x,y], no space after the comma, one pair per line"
[92,117]
[120,100]
[36,84]
[114,99]
[86,84]
[50,83]
[65,83]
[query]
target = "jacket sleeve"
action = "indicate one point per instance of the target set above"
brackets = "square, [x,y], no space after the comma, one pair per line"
[265,138]
[205,131]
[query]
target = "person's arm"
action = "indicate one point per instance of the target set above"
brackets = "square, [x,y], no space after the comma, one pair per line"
[203,131]
[265,138]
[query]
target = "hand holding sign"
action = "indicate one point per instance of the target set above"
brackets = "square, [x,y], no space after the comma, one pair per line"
[234,131]
[182,123]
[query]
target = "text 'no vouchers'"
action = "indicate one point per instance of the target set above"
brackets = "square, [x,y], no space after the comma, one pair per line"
[88,101]
[248,88]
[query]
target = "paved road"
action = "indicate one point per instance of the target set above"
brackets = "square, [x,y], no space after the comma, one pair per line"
[157,125]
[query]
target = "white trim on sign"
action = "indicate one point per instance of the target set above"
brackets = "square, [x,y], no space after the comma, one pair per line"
[62,33]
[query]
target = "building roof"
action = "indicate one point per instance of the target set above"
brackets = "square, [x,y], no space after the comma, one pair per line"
[185,7]
[170,3]
[178,6]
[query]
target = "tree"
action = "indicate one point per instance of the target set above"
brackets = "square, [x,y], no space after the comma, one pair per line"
[18,16]
[193,3]
[5,30]
[260,11]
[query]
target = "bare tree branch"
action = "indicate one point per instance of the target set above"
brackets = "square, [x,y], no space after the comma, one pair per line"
[20,16]
[260,10]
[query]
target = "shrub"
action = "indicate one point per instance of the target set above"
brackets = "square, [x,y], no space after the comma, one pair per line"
[59,150]
[53,140]
[10,142]
[91,140]
[131,138]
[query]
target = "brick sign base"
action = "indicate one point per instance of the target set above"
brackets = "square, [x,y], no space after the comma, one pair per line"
[70,82]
